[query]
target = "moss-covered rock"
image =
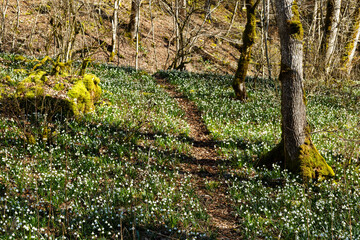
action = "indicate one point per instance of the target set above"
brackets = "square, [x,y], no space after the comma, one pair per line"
[42,92]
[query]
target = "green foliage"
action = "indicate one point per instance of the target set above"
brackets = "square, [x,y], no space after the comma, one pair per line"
[99,173]
[119,166]
[274,203]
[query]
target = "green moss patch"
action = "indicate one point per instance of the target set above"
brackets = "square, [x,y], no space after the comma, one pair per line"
[294,25]
[40,91]
[312,164]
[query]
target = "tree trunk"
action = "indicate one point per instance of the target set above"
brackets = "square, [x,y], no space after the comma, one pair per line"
[296,151]
[232,18]
[266,20]
[4,8]
[249,36]
[351,45]
[331,31]
[134,18]
[114,24]
[207,8]
[182,11]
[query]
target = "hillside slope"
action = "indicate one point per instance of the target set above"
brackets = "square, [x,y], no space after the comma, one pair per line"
[40,28]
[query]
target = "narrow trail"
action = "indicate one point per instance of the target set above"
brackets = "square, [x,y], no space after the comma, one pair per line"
[205,167]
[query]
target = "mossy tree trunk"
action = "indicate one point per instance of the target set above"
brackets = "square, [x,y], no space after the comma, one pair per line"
[296,151]
[331,31]
[249,36]
[351,45]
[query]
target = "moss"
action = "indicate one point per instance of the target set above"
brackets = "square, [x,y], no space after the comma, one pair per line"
[42,62]
[294,25]
[30,139]
[81,98]
[38,77]
[64,95]
[312,164]
[60,69]
[112,56]
[249,37]
[20,71]
[309,164]
[84,65]
[328,25]
[36,91]
[304,96]
[20,58]
[43,8]
[92,85]
[59,87]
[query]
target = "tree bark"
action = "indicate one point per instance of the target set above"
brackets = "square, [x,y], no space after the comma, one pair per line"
[331,31]
[351,45]
[249,36]
[232,18]
[207,8]
[114,24]
[296,151]
[134,18]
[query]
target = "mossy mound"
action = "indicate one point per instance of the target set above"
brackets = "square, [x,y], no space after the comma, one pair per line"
[309,163]
[50,94]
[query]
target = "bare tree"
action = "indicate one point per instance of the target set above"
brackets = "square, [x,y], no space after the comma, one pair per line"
[331,31]
[134,18]
[65,26]
[249,37]
[186,32]
[232,18]
[153,33]
[207,8]
[114,24]
[296,150]
[4,7]
[352,43]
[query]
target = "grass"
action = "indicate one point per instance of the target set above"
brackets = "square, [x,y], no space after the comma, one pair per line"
[273,203]
[118,171]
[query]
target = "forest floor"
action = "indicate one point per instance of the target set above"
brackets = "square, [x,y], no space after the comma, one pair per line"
[204,166]
[172,156]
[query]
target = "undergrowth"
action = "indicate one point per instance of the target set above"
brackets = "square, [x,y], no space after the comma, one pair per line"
[274,203]
[117,172]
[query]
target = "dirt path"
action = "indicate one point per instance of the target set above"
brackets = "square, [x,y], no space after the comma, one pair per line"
[205,167]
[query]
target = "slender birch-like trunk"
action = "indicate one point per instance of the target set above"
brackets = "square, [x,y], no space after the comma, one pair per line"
[232,18]
[134,18]
[331,31]
[114,24]
[352,43]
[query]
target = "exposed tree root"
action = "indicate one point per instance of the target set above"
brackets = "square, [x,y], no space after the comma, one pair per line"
[309,164]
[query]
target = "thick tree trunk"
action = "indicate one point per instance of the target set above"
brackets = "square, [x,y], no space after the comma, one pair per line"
[296,150]
[331,31]
[249,36]
[351,45]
